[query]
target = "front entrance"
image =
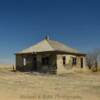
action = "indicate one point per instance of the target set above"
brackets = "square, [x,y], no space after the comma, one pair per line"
[81,62]
[34,65]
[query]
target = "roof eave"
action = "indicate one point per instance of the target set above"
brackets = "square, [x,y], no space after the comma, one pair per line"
[73,53]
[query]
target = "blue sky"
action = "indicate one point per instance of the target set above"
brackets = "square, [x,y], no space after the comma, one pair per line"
[25,22]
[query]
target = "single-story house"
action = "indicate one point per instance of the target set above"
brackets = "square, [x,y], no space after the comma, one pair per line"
[49,56]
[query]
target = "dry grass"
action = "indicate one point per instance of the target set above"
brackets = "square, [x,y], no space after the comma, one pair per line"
[33,86]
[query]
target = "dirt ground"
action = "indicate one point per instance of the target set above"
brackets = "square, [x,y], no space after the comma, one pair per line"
[34,86]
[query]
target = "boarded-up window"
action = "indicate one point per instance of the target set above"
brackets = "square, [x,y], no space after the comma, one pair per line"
[64,60]
[74,61]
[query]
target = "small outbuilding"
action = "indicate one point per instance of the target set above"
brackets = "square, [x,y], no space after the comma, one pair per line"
[49,56]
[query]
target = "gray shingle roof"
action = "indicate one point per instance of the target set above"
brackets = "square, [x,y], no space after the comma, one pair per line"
[49,45]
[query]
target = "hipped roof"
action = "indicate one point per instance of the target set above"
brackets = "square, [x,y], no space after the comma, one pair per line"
[49,45]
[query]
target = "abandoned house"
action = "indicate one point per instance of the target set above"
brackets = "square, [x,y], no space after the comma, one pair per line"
[49,56]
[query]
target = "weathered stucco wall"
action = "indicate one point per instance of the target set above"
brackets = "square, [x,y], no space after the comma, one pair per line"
[61,68]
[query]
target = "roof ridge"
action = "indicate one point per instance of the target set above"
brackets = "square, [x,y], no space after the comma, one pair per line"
[49,44]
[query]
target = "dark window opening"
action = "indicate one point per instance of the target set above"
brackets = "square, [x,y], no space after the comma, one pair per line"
[64,60]
[45,61]
[81,62]
[74,61]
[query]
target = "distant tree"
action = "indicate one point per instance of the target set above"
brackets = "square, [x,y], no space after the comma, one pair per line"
[93,59]
[89,60]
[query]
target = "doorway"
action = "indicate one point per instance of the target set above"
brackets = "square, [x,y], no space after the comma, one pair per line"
[34,67]
[81,62]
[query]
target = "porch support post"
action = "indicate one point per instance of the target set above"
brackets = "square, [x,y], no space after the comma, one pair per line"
[38,62]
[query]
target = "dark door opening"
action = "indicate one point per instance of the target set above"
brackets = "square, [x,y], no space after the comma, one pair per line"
[81,62]
[34,67]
